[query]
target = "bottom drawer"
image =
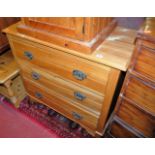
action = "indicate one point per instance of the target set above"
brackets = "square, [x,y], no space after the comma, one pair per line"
[61,104]
[137,118]
[121,131]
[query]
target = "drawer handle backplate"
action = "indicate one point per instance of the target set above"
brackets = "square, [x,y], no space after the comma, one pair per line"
[77,116]
[38,95]
[79,75]
[35,76]
[79,96]
[28,55]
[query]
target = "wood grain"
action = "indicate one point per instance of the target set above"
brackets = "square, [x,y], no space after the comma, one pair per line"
[56,64]
[5,22]
[54,60]
[137,119]
[135,105]
[115,55]
[61,104]
[8,67]
[141,93]
[92,101]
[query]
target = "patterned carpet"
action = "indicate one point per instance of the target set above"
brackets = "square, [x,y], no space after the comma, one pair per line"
[49,119]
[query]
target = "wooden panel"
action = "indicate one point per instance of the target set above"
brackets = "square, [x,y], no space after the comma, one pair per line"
[147,31]
[17,87]
[144,62]
[136,102]
[79,45]
[113,52]
[92,100]
[5,22]
[121,131]
[65,26]
[138,119]
[141,93]
[62,105]
[14,90]
[55,61]
[110,90]
[81,28]
[13,87]
[148,44]
[8,67]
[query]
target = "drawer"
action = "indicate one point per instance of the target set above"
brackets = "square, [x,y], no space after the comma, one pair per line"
[61,105]
[83,96]
[145,62]
[141,93]
[148,44]
[137,118]
[121,131]
[79,70]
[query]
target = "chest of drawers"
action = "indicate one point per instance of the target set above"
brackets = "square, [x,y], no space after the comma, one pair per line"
[135,110]
[79,86]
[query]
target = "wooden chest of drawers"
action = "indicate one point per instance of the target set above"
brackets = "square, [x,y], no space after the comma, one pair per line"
[135,110]
[79,86]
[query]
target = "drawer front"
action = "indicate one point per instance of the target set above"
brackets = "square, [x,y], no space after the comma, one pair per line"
[148,44]
[119,131]
[81,96]
[141,93]
[138,119]
[145,63]
[79,70]
[61,105]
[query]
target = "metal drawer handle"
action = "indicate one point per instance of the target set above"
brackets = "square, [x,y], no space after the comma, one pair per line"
[79,75]
[38,95]
[28,55]
[79,96]
[35,75]
[77,116]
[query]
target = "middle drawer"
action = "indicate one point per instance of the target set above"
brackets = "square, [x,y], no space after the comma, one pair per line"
[87,98]
[74,68]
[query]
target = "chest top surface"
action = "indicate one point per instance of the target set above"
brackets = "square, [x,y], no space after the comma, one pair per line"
[115,51]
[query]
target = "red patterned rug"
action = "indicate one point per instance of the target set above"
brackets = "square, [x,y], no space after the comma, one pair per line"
[49,119]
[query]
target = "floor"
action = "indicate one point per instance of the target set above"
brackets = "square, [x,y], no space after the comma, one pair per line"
[35,120]
[14,124]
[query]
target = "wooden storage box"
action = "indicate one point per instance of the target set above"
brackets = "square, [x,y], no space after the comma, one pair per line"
[82,34]
[11,85]
[14,90]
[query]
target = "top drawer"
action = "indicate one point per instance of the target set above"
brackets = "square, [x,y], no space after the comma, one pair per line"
[82,71]
[144,62]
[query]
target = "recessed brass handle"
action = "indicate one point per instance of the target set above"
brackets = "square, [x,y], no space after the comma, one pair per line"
[77,116]
[79,75]
[38,95]
[35,75]
[79,96]
[28,55]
